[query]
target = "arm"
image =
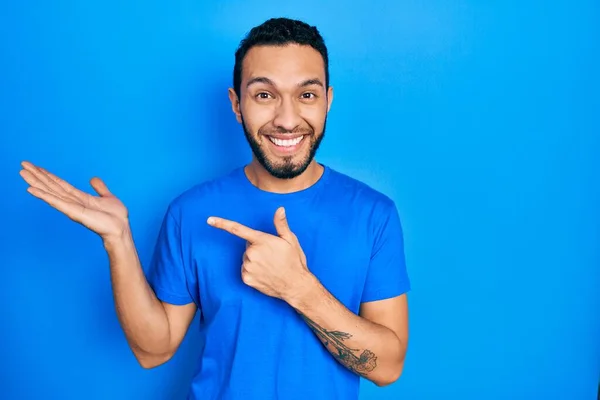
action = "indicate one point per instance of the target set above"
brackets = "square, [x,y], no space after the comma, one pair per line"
[372,344]
[154,329]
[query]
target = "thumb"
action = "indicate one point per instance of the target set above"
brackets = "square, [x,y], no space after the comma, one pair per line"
[281,224]
[100,187]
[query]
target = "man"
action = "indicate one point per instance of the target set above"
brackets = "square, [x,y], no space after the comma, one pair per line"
[297,270]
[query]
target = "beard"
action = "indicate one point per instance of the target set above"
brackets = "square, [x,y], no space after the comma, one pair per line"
[287,169]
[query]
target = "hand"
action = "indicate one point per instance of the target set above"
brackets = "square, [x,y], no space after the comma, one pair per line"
[104,214]
[274,265]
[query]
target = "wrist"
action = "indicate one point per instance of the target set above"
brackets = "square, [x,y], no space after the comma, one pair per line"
[118,240]
[304,291]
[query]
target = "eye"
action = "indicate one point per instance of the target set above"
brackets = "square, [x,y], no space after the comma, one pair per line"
[263,96]
[308,95]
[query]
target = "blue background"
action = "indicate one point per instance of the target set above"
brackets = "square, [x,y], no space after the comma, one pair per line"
[479,119]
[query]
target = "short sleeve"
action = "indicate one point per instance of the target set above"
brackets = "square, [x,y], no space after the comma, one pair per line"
[167,271]
[387,275]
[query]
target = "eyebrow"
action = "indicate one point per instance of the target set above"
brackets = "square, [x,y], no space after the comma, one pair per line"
[267,81]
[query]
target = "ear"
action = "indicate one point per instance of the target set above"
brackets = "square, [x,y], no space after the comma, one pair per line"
[235,105]
[329,97]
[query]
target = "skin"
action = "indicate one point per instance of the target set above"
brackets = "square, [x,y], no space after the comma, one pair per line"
[371,344]
[274,98]
[153,329]
[282,93]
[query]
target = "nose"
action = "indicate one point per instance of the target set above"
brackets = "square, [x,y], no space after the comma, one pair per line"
[287,115]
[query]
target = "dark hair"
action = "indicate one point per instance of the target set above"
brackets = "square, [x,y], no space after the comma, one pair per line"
[279,32]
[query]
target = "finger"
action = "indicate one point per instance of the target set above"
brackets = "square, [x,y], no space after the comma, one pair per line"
[281,225]
[50,181]
[34,177]
[34,183]
[64,185]
[71,210]
[235,228]
[100,187]
[40,186]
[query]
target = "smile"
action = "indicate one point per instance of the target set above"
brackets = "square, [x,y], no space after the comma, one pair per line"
[286,142]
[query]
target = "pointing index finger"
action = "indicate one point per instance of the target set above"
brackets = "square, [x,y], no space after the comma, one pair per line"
[235,228]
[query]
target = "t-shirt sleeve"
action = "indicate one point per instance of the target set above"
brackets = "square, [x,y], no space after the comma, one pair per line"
[387,275]
[167,270]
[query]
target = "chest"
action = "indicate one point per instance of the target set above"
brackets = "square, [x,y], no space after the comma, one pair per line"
[337,251]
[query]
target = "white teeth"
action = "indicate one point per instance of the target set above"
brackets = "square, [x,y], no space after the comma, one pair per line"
[286,142]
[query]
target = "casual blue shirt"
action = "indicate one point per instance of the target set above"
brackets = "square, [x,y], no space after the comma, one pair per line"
[256,347]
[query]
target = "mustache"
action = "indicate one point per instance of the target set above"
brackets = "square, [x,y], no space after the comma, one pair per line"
[283,131]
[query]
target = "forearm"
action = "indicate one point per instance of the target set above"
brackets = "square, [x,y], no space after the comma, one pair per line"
[141,315]
[366,348]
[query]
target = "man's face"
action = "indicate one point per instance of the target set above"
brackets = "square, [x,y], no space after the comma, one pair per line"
[283,106]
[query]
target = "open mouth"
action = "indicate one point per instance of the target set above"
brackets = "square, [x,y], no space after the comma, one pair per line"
[286,143]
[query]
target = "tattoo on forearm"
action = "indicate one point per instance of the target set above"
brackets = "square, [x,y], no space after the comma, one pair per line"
[333,341]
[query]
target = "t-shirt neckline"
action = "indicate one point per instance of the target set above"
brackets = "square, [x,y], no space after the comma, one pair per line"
[297,195]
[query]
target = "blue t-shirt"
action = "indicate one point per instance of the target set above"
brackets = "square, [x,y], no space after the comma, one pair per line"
[256,347]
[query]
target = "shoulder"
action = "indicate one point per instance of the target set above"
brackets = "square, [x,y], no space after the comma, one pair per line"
[361,194]
[364,208]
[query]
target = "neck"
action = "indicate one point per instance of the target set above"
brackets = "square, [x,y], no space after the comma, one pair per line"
[261,178]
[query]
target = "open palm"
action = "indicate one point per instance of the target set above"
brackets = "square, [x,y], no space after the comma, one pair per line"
[104,214]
